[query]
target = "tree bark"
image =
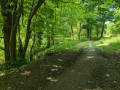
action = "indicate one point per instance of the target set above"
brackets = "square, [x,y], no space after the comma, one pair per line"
[72,32]
[48,41]
[88,30]
[97,32]
[33,12]
[20,42]
[11,20]
[52,37]
[102,31]
[79,32]
[31,50]
[6,27]
[15,22]
[39,38]
[88,33]
[12,45]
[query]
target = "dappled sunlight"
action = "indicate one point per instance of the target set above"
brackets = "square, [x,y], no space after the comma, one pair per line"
[60,42]
[60,60]
[60,45]
[57,66]
[108,75]
[90,57]
[25,73]
[52,79]
[73,71]
[2,74]
[103,44]
[90,82]
[54,69]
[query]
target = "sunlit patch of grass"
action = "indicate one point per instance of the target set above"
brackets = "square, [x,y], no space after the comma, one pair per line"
[61,47]
[87,45]
[110,45]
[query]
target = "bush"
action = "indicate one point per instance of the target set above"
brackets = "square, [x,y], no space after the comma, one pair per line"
[17,63]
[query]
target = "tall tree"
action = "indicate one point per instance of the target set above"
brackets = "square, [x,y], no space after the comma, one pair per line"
[11,12]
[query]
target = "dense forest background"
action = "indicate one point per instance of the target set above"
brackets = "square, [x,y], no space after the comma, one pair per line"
[32,28]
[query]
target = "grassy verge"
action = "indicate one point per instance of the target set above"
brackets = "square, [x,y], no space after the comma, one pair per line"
[61,47]
[109,45]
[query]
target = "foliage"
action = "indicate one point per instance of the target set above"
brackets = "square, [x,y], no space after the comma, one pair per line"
[17,63]
[62,46]
[43,23]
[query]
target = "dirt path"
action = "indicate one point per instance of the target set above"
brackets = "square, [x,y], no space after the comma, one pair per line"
[74,69]
[90,72]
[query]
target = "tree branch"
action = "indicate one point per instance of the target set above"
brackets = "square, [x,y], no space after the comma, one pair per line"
[40,2]
[19,15]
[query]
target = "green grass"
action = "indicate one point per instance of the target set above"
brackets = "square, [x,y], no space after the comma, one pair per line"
[87,45]
[61,47]
[110,45]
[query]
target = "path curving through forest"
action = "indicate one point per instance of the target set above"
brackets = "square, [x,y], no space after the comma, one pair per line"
[90,72]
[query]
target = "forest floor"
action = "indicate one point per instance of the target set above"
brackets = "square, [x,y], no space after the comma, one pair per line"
[85,69]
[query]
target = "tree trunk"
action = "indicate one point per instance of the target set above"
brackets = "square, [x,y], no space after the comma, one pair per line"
[39,38]
[102,31]
[20,42]
[6,27]
[12,45]
[97,32]
[88,29]
[72,32]
[27,38]
[79,32]
[32,13]
[52,37]
[11,20]
[48,41]
[31,50]
[6,31]
[88,33]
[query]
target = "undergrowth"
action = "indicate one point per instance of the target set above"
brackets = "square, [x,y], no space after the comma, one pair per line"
[61,47]
[53,49]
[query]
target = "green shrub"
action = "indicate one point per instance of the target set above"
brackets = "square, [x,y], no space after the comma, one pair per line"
[17,63]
